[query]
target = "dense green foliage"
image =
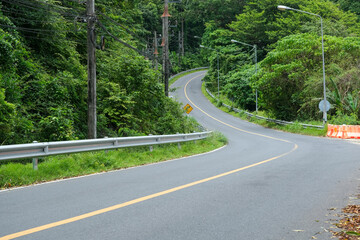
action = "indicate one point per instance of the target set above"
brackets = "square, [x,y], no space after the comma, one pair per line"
[43,77]
[289,77]
[291,74]
[350,5]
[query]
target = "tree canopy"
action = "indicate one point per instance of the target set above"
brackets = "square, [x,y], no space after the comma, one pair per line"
[43,78]
[290,57]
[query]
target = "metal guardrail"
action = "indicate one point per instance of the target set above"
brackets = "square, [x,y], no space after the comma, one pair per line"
[37,150]
[263,118]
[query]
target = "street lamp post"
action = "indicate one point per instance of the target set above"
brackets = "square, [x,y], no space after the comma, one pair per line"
[255,60]
[283,8]
[218,82]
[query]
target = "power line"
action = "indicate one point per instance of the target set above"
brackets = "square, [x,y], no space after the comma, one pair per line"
[80,2]
[122,42]
[122,26]
[38,7]
[40,2]
[49,40]
[27,19]
[34,30]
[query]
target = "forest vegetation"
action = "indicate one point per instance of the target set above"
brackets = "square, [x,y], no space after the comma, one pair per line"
[43,63]
[289,54]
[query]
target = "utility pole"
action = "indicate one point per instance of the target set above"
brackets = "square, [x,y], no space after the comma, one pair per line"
[179,48]
[156,53]
[166,64]
[91,39]
[182,37]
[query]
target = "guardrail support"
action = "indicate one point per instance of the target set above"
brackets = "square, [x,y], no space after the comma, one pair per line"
[35,161]
[194,140]
[151,148]
[106,151]
[179,145]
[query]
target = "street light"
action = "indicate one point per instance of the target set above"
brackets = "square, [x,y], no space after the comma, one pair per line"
[255,60]
[217,53]
[283,8]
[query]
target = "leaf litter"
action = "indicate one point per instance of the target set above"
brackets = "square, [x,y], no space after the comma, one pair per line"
[349,224]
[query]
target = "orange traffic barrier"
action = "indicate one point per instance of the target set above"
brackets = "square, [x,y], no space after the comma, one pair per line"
[330,130]
[343,131]
[352,131]
[333,130]
[357,132]
[336,131]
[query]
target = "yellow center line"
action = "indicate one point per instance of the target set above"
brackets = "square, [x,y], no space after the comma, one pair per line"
[138,200]
[224,123]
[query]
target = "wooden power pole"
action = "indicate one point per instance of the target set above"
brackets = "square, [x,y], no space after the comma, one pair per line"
[156,53]
[91,39]
[166,62]
[182,37]
[180,51]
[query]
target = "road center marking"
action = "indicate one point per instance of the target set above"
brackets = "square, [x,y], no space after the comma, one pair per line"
[138,200]
[224,123]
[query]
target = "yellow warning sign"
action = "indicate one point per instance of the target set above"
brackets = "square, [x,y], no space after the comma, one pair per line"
[188,108]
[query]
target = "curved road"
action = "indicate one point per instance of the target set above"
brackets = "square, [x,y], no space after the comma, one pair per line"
[264,184]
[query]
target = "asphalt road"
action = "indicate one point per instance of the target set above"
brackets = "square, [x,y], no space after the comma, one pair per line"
[264,184]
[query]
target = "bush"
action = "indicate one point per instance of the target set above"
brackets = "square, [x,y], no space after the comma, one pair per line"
[290,80]
[341,118]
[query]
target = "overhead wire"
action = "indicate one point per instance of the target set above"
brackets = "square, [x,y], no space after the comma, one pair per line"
[76,1]
[119,40]
[41,35]
[122,26]
[41,2]
[50,8]
[26,19]
[50,40]
[35,30]
[38,7]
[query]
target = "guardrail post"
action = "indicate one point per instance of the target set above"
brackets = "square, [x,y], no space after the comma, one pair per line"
[106,151]
[35,161]
[151,148]
[179,145]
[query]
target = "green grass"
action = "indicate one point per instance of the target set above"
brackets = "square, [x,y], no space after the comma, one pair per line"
[65,166]
[293,128]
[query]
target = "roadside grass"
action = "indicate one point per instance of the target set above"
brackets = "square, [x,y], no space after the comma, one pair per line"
[293,128]
[66,166]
